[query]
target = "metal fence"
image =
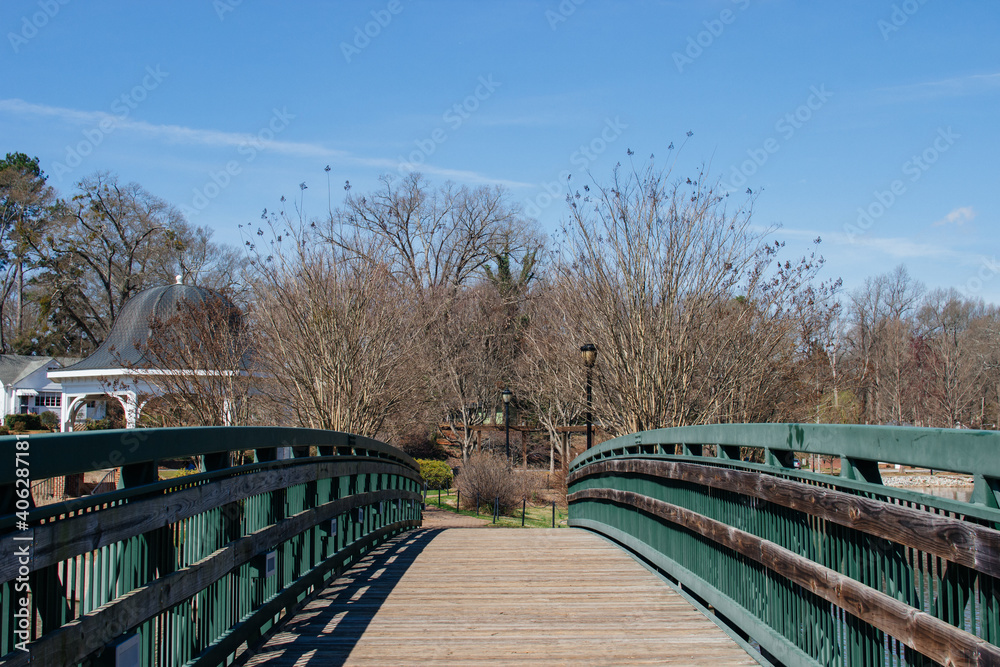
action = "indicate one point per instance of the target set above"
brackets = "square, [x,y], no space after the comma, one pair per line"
[192,570]
[812,568]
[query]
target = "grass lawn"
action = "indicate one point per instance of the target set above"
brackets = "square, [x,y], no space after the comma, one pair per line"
[535,516]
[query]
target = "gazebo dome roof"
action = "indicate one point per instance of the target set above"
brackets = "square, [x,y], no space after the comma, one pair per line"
[131,331]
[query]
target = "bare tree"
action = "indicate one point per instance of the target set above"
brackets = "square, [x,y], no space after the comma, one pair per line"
[881,332]
[550,374]
[337,334]
[437,240]
[951,329]
[684,299]
[201,361]
[107,244]
[466,362]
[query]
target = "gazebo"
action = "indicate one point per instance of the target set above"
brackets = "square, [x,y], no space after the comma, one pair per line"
[118,368]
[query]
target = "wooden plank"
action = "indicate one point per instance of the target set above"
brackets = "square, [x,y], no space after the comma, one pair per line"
[920,631]
[974,546]
[78,638]
[83,533]
[499,596]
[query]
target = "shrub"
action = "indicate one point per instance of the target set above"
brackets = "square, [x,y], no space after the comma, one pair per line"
[27,422]
[437,474]
[98,424]
[487,477]
[49,419]
[420,444]
[4,430]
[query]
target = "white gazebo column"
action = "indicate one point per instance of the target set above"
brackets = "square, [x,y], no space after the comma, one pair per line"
[130,404]
[70,409]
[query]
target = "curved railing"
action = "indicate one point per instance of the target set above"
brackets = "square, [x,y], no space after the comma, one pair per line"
[811,568]
[190,570]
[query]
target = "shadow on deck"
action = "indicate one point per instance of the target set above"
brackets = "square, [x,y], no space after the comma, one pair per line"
[327,629]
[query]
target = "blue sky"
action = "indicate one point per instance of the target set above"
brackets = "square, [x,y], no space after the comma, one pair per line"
[872,124]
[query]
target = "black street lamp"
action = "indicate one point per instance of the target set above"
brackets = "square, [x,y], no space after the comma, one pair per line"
[589,354]
[506,416]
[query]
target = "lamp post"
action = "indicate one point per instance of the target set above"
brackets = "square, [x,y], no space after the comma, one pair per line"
[506,417]
[589,354]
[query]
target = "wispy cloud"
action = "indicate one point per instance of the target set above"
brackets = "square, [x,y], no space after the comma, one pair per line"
[178,134]
[971,84]
[958,217]
[895,247]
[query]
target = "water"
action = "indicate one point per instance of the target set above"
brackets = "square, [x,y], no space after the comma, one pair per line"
[961,493]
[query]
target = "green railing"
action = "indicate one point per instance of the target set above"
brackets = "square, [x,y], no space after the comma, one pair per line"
[811,568]
[191,570]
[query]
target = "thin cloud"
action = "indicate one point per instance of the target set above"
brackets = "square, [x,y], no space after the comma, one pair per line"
[178,134]
[958,217]
[971,84]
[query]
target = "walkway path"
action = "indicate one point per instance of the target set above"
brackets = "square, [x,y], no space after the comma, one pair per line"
[503,596]
[439,518]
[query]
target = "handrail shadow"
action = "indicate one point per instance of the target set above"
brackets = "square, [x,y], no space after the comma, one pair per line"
[326,630]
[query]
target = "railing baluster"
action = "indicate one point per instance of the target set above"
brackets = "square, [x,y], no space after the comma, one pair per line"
[895,548]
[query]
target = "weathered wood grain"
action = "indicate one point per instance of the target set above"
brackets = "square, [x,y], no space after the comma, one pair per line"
[962,542]
[920,631]
[74,641]
[504,596]
[66,538]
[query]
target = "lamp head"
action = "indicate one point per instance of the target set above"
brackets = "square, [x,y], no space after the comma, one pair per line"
[589,354]
[506,394]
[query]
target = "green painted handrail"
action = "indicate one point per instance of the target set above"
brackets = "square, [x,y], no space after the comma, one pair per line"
[817,569]
[193,567]
[956,450]
[860,448]
[58,454]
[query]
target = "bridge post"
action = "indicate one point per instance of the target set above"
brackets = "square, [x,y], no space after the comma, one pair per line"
[729,452]
[780,458]
[986,491]
[860,469]
[693,450]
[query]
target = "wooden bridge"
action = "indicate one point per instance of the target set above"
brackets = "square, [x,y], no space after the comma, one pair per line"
[701,545]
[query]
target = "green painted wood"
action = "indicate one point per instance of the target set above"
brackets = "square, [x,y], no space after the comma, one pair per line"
[58,454]
[183,563]
[963,451]
[952,582]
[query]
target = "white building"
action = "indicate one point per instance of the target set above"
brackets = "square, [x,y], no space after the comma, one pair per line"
[118,368]
[27,388]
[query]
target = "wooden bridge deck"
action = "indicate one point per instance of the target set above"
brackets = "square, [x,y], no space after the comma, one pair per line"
[519,597]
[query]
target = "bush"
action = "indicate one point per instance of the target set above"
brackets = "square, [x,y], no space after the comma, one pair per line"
[25,422]
[420,444]
[437,474]
[99,424]
[487,477]
[49,419]
[4,430]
